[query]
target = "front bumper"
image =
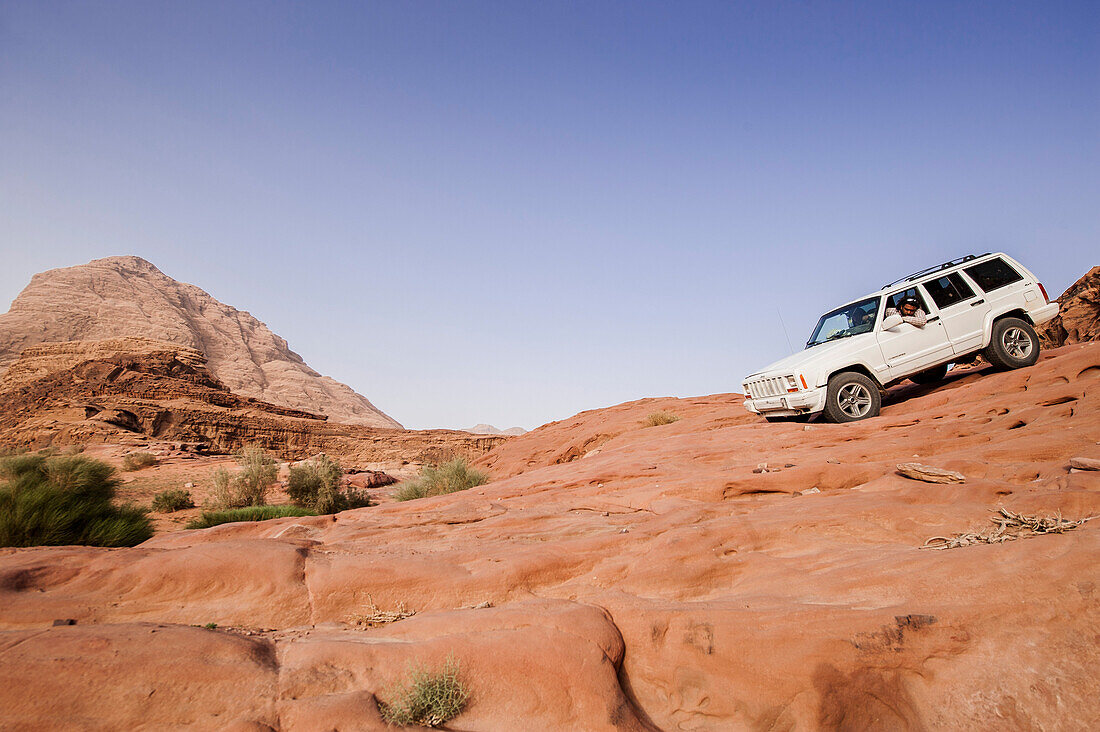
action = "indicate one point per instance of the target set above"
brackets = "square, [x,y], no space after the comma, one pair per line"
[807,401]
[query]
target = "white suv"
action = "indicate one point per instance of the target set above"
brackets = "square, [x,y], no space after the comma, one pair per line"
[983,304]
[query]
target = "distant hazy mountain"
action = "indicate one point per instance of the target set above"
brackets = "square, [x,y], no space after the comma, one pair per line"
[127,296]
[488,429]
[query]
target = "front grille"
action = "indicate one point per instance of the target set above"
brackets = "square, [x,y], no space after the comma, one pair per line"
[768,387]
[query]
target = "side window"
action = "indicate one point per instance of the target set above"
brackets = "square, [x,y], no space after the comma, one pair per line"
[993,274]
[964,290]
[948,290]
[893,300]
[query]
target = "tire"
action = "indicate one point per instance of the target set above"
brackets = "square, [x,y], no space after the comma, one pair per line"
[931,376]
[1013,344]
[851,397]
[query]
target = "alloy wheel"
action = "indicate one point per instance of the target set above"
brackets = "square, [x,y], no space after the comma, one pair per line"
[854,400]
[1017,343]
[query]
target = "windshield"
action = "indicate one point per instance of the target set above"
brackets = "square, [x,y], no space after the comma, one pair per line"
[847,321]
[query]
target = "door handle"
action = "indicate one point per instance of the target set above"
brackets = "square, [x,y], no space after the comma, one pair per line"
[976,303]
[933,319]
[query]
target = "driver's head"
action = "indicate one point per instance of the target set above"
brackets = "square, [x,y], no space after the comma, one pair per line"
[909,306]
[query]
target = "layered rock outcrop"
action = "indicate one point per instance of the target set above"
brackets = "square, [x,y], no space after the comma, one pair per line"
[615,576]
[1078,316]
[118,297]
[125,389]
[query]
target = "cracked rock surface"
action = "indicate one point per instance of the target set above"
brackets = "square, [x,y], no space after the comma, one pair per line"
[735,600]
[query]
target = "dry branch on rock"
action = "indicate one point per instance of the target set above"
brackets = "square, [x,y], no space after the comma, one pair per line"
[376,617]
[1010,526]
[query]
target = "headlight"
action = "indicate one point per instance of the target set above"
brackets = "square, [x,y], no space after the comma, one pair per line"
[748,394]
[792,385]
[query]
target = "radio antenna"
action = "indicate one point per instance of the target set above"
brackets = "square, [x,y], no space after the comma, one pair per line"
[784,325]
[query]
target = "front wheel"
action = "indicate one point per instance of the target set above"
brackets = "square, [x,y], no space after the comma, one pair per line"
[1013,345]
[851,397]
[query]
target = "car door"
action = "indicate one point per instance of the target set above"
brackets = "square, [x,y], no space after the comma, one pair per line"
[961,311]
[908,349]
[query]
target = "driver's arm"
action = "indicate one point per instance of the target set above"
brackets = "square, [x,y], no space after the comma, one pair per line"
[918,318]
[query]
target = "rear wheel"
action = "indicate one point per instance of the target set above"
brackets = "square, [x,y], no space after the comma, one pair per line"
[851,397]
[1014,344]
[931,376]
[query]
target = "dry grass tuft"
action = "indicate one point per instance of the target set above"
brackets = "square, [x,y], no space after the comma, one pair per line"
[171,500]
[659,418]
[138,460]
[427,697]
[438,480]
[1010,526]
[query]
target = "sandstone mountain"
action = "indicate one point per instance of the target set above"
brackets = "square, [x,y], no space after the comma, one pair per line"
[1078,318]
[615,576]
[127,296]
[136,391]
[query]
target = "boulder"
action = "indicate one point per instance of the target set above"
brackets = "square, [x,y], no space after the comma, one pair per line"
[928,474]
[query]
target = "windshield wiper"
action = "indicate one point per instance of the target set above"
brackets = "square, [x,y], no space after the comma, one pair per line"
[834,338]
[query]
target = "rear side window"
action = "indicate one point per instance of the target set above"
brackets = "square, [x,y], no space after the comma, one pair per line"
[948,290]
[993,274]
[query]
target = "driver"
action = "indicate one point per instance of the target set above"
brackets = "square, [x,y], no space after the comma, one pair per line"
[910,311]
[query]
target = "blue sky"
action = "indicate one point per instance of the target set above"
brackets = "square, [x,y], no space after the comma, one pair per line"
[510,212]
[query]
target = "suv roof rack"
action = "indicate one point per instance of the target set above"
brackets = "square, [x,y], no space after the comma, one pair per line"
[945,265]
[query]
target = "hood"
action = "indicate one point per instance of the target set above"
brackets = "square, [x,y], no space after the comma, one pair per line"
[796,361]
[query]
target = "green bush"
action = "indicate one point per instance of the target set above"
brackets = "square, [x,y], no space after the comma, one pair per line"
[658,418]
[247,513]
[436,480]
[51,500]
[173,499]
[249,485]
[139,460]
[315,484]
[427,698]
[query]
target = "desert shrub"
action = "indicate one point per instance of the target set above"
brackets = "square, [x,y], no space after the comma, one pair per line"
[258,471]
[658,418]
[436,480]
[247,513]
[223,495]
[173,499]
[315,484]
[139,460]
[249,485]
[57,500]
[426,697]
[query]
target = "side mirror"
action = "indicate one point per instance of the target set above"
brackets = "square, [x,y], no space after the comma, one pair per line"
[891,321]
